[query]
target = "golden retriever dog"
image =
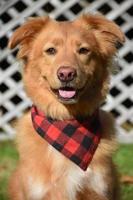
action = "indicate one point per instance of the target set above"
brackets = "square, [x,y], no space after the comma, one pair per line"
[66,73]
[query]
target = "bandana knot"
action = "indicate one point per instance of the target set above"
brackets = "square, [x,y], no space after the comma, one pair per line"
[77,139]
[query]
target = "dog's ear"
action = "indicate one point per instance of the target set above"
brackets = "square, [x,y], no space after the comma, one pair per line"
[25,34]
[107,33]
[27,30]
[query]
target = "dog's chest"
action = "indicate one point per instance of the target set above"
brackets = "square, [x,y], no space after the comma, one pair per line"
[64,187]
[92,180]
[67,186]
[65,180]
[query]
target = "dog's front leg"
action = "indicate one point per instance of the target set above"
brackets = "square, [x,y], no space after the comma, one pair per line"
[15,190]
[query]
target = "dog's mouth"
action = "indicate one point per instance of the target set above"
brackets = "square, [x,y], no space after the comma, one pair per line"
[67,94]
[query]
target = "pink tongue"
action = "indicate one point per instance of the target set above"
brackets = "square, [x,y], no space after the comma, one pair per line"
[67,94]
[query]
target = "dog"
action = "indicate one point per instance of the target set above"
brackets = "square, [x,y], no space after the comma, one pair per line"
[66,72]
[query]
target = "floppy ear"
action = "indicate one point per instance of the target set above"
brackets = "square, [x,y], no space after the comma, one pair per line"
[25,34]
[107,33]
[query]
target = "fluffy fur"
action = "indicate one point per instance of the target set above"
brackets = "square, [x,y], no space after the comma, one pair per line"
[42,172]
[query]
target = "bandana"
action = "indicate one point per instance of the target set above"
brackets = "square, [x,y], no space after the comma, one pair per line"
[77,139]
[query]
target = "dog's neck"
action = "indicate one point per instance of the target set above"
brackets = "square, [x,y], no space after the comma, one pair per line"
[58,111]
[77,139]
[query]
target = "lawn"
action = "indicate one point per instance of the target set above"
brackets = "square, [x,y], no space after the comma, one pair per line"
[8,160]
[9,157]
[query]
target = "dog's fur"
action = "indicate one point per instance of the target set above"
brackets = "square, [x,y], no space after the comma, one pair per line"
[43,173]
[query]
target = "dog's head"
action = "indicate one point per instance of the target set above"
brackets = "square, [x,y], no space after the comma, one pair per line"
[66,64]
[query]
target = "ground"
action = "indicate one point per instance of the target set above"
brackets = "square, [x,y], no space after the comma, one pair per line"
[9,157]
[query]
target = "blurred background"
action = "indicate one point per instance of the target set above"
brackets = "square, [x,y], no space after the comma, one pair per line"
[13,100]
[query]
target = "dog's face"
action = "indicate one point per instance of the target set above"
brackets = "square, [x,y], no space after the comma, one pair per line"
[67,62]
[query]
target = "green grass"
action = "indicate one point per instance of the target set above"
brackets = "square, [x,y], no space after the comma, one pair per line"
[124,161]
[9,157]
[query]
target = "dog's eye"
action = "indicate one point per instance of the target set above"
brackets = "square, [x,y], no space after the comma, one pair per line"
[51,51]
[83,50]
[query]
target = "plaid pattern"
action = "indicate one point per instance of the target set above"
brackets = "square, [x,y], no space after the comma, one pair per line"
[75,139]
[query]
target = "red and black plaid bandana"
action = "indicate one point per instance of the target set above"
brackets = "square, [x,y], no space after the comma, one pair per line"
[76,139]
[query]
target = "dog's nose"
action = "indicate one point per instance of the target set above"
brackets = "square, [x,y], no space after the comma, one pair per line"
[66,74]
